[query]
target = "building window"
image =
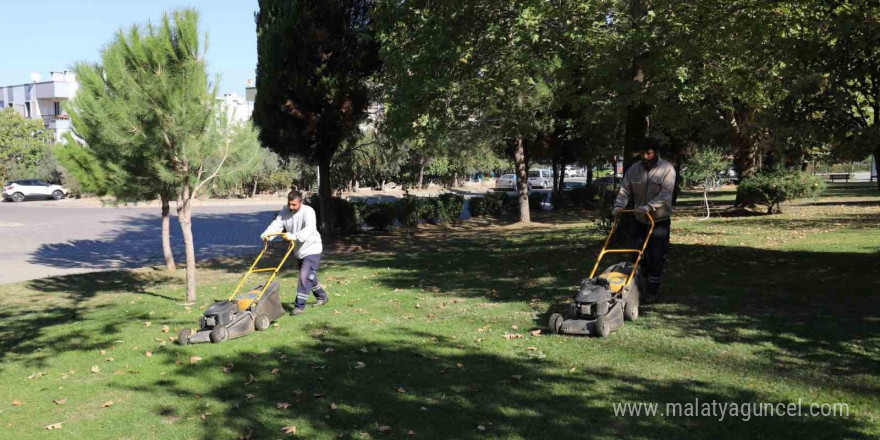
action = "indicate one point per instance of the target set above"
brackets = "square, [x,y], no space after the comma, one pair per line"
[27,109]
[57,108]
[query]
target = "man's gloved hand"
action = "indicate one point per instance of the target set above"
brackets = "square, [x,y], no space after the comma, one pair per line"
[615,211]
[644,209]
[264,236]
[289,237]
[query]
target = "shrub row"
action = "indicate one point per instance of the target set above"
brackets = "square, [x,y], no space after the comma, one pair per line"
[409,211]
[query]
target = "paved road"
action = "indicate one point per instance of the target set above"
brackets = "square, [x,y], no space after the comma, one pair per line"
[39,239]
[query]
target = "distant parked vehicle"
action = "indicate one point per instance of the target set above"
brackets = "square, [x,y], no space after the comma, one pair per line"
[507,182]
[21,190]
[541,178]
[571,171]
[573,185]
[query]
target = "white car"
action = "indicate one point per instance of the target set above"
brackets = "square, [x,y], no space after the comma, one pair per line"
[571,171]
[19,190]
[507,182]
[541,178]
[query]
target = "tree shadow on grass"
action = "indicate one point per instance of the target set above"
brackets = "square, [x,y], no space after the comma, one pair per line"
[438,391]
[29,329]
[818,307]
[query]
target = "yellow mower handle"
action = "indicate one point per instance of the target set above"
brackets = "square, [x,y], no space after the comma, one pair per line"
[641,251]
[274,270]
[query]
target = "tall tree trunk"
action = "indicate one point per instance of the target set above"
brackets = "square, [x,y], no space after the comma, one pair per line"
[742,142]
[522,177]
[422,172]
[876,162]
[166,232]
[184,216]
[324,194]
[254,192]
[455,179]
[589,174]
[638,125]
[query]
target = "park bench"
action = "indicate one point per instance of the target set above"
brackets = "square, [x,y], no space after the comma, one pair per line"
[841,176]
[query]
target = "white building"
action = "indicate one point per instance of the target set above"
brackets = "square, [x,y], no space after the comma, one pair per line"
[237,108]
[43,100]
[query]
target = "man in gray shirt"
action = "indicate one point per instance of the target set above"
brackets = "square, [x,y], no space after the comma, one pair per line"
[300,225]
[649,183]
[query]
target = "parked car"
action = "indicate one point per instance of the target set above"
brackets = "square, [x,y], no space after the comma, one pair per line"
[507,182]
[20,190]
[573,185]
[571,171]
[541,178]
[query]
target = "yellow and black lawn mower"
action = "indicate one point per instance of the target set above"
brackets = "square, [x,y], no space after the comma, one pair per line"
[243,312]
[603,302]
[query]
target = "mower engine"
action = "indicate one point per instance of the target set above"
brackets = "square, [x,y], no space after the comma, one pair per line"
[600,304]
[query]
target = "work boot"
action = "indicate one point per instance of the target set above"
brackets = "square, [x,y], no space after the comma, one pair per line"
[321,301]
[650,296]
[297,311]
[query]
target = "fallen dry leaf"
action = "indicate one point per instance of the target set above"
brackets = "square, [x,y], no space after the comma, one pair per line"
[227,369]
[60,401]
[333,406]
[360,365]
[17,403]
[249,396]
[509,336]
[536,332]
[532,348]
[401,390]
[572,370]
[336,312]
[514,327]
[282,405]
[364,349]
[410,432]
[109,359]
[107,404]
[103,352]
[275,371]
[289,430]
[459,365]
[329,350]
[53,426]
[516,377]
[205,415]
[481,428]
[166,329]
[146,323]
[149,354]
[96,369]
[250,379]
[384,428]
[194,359]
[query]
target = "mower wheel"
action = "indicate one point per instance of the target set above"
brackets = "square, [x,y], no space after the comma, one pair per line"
[261,323]
[183,336]
[603,327]
[556,322]
[219,334]
[631,310]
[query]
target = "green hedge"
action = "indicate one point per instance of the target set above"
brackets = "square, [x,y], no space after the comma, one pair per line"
[494,204]
[448,207]
[771,189]
[381,216]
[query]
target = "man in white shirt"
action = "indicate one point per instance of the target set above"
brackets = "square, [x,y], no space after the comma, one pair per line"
[299,224]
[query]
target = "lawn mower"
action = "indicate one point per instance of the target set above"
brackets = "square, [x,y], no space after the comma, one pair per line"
[603,302]
[243,312]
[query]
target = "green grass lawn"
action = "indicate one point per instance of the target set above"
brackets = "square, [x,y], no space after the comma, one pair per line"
[434,334]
